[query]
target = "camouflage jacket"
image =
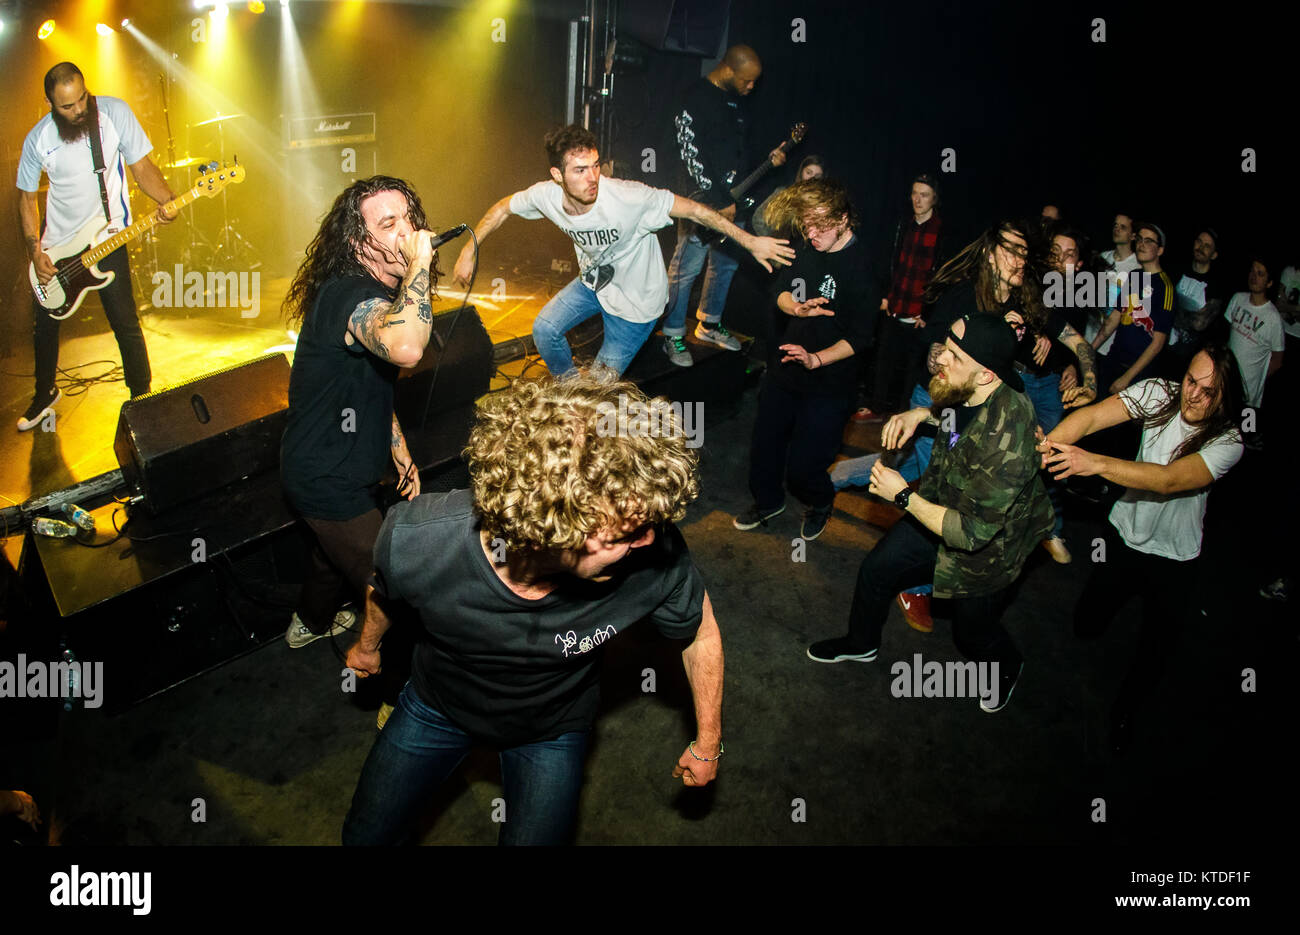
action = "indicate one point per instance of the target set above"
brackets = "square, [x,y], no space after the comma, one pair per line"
[998,509]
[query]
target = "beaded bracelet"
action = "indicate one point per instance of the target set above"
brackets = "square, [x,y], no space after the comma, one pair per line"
[706,759]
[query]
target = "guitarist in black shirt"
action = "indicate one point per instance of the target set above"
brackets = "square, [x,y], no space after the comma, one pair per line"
[712,132]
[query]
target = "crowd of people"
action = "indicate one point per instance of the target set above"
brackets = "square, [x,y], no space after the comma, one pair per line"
[999,371]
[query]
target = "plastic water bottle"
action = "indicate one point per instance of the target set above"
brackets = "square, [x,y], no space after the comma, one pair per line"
[55,528]
[79,516]
[74,679]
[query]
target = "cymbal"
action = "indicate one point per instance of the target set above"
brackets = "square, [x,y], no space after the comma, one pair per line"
[218,119]
[186,162]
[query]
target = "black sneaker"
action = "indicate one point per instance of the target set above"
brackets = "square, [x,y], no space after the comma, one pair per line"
[1006,685]
[41,404]
[814,521]
[839,650]
[756,517]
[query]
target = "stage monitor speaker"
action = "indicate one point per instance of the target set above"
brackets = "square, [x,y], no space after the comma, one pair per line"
[697,27]
[180,443]
[434,400]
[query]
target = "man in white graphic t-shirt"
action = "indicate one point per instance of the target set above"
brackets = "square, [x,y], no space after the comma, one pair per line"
[621,268]
[1257,338]
[59,146]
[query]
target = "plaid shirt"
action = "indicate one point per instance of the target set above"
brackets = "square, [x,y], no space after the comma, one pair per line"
[913,265]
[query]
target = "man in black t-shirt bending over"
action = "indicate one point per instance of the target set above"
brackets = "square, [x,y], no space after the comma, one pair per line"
[362,303]
[565,541]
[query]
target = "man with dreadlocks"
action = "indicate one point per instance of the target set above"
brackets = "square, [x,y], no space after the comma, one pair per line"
[1189,440]
[362,301]
[565,540]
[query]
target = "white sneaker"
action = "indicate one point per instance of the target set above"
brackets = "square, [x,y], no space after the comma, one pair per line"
[298,635]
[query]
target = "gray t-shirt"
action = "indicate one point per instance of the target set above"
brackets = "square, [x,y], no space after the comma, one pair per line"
[508,670]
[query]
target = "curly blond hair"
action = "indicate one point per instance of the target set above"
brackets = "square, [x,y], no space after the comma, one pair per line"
[552,462]
[819,199]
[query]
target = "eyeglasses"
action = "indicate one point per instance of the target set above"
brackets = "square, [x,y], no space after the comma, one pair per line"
[1148,240]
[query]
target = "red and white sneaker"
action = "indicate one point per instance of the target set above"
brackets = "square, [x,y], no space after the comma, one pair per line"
[916,610]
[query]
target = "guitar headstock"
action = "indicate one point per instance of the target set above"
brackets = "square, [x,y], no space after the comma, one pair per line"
[797,132]
[215,178]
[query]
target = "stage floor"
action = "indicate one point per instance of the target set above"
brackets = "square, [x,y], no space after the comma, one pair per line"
[183,344]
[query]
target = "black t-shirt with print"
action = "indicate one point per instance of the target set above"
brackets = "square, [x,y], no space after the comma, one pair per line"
[507,670]
[845,279]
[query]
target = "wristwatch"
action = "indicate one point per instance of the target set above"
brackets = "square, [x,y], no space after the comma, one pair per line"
[902,497]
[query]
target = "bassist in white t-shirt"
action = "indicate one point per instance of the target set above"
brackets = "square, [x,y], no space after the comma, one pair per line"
[59,147]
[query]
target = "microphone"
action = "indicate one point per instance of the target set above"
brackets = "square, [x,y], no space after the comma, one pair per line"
[447,235]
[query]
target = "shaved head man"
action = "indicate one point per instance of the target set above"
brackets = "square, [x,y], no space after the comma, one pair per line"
[712,132]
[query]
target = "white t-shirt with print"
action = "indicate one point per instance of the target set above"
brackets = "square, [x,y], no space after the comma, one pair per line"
[74,193]
[1113,286]
[1256,333]
[1168,525]
[617,255]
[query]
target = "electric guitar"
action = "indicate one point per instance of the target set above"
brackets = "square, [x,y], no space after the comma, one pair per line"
[739,191]
[76,272]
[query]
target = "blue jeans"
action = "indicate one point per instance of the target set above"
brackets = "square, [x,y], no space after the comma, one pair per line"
[1045,393]
[571,306]
[419,748]
[688,260]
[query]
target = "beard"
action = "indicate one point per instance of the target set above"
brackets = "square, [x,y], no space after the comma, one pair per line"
[71,131]
[944,395]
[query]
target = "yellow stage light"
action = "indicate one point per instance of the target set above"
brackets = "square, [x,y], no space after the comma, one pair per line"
[46,30]
[220,11]
[104,29]
[256,6]
[126,23]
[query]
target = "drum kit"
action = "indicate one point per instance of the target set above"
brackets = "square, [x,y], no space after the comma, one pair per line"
[226,249]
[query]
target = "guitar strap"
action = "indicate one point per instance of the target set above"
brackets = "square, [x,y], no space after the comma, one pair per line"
[97,155]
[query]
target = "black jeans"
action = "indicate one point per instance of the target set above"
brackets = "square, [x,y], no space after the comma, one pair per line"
[796,438]
[899,362]
[1165,587]
[904,559]
[119,307]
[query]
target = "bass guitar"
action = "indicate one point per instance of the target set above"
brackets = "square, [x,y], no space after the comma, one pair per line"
[76,272]
[739,191]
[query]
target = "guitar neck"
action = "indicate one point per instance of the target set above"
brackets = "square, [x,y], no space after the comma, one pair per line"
[126,235]
[752,179]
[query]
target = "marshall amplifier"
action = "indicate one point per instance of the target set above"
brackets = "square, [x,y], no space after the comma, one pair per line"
[330,130]
[180,443]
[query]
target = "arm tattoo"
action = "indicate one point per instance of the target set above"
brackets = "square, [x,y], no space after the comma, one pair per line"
[399,440]
[1087,356]
[417,293]
[365,322]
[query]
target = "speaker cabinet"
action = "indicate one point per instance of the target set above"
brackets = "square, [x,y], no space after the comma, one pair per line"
[180,443]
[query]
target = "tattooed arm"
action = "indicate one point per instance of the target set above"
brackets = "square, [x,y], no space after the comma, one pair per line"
[398,331]
[1086,391]
[408,476]
[767,250]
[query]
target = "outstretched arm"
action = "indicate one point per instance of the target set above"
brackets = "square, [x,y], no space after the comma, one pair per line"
[767,250]
[495,217]
[1187,473]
